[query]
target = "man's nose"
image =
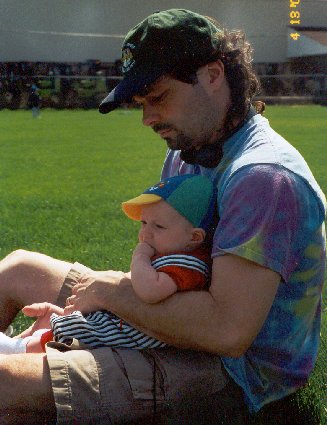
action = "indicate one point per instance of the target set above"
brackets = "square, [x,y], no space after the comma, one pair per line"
[150,115]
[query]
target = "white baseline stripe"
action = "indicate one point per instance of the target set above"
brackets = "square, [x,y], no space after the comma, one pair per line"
[70,34]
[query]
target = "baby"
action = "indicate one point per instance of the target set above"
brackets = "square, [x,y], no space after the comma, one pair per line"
[172,255]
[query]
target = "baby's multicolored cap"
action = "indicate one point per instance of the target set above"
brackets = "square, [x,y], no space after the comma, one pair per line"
[192,196]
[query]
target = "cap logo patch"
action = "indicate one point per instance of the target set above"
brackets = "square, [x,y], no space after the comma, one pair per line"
[157,186]
[128,60]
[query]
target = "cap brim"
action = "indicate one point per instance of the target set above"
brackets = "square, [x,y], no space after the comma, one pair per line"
[108,104]
[133,207]
[131,85]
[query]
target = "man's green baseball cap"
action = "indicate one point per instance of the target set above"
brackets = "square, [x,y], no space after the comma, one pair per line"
[163,43]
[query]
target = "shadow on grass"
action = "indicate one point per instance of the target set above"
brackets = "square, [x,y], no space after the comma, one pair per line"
[296,409]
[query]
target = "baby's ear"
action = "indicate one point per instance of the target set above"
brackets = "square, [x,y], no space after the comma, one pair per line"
[198,235]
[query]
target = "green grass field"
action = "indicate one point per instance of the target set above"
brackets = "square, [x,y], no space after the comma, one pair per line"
[63,177]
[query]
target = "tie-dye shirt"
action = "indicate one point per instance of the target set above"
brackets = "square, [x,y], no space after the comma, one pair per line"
[271,211]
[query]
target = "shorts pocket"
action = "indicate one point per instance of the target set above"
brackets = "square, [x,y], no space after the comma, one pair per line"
[144,376]
[189,373]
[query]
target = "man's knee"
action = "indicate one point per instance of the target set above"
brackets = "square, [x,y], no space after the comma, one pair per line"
[19,256]
[16,268]
[12,271]
[23,266]
[27,277]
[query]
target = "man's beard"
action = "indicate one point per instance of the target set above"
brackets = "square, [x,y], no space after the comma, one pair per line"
[193,151]
[180,141]
[208,154]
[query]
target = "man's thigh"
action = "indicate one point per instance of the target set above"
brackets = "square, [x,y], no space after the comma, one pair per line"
[123,386]
[25,387]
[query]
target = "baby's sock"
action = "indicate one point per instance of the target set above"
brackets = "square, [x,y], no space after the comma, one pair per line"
[10,345]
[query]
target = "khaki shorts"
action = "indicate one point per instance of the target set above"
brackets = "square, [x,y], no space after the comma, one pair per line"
[123,386]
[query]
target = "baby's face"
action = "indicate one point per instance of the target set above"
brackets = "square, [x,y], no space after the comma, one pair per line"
[163,228]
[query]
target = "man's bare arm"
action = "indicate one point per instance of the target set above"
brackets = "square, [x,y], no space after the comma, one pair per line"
[224,320]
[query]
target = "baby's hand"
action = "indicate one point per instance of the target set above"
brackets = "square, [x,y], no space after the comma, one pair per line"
[42,312]
[143,248]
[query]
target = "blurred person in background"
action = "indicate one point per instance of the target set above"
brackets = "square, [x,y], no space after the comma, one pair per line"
[34,101]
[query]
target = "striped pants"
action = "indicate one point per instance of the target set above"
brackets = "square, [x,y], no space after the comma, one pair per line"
[100,329]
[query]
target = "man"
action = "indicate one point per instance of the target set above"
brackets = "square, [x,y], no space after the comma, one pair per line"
[34,101]
[256,335]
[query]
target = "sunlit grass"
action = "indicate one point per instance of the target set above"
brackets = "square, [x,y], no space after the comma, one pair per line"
[64,176]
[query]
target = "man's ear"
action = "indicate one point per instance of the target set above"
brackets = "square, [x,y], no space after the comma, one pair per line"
[212,75]
[216,72]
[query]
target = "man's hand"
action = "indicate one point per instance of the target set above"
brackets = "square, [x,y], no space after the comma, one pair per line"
[42,311]
[91,293]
